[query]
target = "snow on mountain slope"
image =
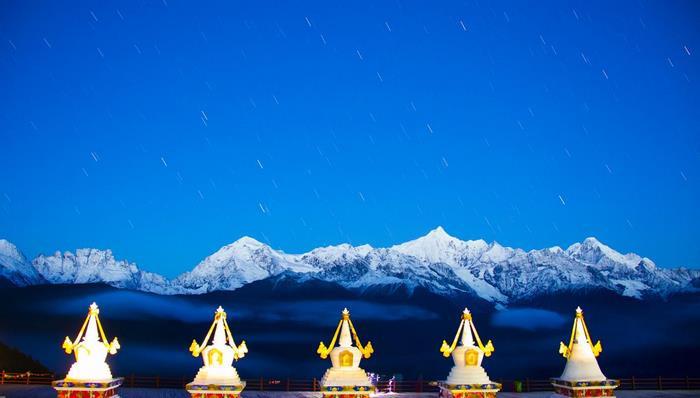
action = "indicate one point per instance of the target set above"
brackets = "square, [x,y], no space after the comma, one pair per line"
[593,252]
[93,266]
[437,261]
[15,268]
[445,265]
[243,261]
[439,247]
[334,254]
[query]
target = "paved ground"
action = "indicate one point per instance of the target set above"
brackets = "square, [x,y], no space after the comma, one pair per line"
[23,391]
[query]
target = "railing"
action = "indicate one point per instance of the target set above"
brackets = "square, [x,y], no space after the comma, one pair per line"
[261,384]
[660,383]
[525,385]
[399,386]
[632,383]
[26,378]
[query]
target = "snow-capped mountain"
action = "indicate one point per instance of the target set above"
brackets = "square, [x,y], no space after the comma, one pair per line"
[15,268]
[93,265]
[243,261]
[445,265]
[437,262]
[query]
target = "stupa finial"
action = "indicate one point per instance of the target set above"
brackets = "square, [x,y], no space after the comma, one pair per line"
[466,314]
[344,329]
[466,330]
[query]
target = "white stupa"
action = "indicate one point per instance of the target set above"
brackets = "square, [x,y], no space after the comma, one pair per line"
[582,372]
[91,349]
[345,373]
[90,375]
[468,355]
[581,353]
[218,356]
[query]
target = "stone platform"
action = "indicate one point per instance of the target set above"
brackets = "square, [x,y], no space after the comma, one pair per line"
[488,390]
[347,391]
[584,389]
[197,390]
[87,389]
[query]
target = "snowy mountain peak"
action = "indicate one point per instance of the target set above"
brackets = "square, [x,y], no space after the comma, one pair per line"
[247,241]
[243,246]
[593,241]
[496,253]
[14,266]
[97,266]
[440,247]
[555,250]
[439,233]
[594,252]
[647,263]
[342,253]
[437,237]
[9,250]
[364,249]
[234,265]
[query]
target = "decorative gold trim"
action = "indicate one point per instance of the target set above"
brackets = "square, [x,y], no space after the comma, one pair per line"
[322,350]
[446,350]
[366,350]
[238,351]
[565,350]
[94,310]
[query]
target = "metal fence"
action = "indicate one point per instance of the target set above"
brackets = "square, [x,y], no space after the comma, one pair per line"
[399,386]
[26,378]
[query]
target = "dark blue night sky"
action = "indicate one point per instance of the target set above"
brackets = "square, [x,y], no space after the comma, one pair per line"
[166,129]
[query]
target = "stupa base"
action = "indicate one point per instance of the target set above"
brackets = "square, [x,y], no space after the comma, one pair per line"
[87,389]
[582,389]
[199,390]
[347,391]
[488,390]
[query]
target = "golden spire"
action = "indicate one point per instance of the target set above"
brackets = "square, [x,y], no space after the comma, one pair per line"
[218,323]
[366,350]
[466,326]
[579,327]
[92,320]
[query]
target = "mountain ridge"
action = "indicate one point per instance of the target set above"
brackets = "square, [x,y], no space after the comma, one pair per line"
[437,261]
